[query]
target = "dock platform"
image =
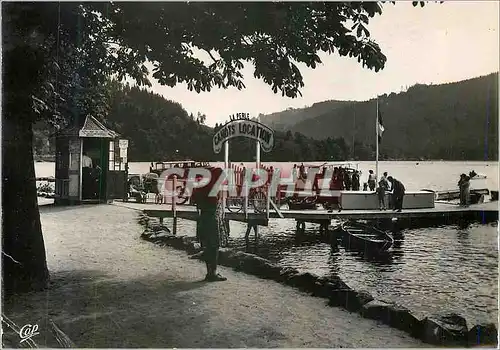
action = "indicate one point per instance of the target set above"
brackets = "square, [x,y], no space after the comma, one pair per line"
[485,212]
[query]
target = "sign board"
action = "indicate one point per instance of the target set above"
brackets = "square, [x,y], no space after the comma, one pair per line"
[243,127]
[94,133]
[123,152]
[123,143]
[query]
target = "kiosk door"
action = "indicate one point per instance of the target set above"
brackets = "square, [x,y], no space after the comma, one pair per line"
[117,174]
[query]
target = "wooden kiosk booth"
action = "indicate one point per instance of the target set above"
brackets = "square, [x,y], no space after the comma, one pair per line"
[91,164]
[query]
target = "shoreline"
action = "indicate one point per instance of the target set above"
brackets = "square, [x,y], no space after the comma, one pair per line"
[50,158]
[442,330]
[110,288]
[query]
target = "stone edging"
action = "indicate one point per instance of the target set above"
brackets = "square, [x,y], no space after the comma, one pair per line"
[441,330]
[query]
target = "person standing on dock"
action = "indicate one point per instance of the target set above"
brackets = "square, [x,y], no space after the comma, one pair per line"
[371,180]
[384,178]
[398,193]
[382,186]
[355,181]
[335,185]
[302,172]
[464,186]
[243,172]
[340,175]
[347,180]
[387,188]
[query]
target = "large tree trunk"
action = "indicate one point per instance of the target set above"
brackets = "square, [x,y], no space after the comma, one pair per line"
[24,263]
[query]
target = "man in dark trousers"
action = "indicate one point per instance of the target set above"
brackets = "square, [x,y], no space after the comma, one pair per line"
[208,225]
[355,181]
[398,193]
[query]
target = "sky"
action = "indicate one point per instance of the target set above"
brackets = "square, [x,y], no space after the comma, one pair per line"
[439,43]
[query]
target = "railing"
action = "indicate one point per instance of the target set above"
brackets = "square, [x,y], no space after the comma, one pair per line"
[48,179]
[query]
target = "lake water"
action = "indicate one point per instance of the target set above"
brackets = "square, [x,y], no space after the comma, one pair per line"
[430,270]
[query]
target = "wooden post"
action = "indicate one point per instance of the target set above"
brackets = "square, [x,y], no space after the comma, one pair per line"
[278,195]
[125,185]
[245,192]
[165,190]
[257,154]
[300,225]
[174,203]
[226,169]
[268,200]
[252,225]
[297,225]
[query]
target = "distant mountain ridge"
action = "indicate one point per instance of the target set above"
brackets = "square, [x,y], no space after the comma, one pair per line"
[453,121]
[283,120]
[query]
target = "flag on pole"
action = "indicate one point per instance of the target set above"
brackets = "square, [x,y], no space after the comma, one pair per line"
[380,125]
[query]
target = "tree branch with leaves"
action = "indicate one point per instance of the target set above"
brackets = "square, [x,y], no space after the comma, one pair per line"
[57,57]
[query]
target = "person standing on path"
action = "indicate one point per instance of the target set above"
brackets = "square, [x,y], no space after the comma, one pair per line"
[209,225]
[398,193]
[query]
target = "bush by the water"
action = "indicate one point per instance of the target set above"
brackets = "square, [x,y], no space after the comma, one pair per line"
[45,189]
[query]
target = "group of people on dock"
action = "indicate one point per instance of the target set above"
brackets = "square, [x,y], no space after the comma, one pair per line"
[343,179]
[387,183]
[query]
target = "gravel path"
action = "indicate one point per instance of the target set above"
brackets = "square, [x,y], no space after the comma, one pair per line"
[112,289]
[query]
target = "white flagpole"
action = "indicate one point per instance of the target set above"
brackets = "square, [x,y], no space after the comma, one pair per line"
[376,142]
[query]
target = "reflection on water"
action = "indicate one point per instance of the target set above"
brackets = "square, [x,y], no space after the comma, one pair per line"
[428,270]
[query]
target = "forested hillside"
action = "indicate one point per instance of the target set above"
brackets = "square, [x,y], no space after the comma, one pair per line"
[159,129]
[285,119]
[455,121]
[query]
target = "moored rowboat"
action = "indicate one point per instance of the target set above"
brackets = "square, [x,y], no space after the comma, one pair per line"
[365,237]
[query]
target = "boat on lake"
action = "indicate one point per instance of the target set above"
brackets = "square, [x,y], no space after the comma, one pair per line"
[364,237]
[160,167]
[475,176]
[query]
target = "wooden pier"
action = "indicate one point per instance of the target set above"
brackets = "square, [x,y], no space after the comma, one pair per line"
[442,212]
